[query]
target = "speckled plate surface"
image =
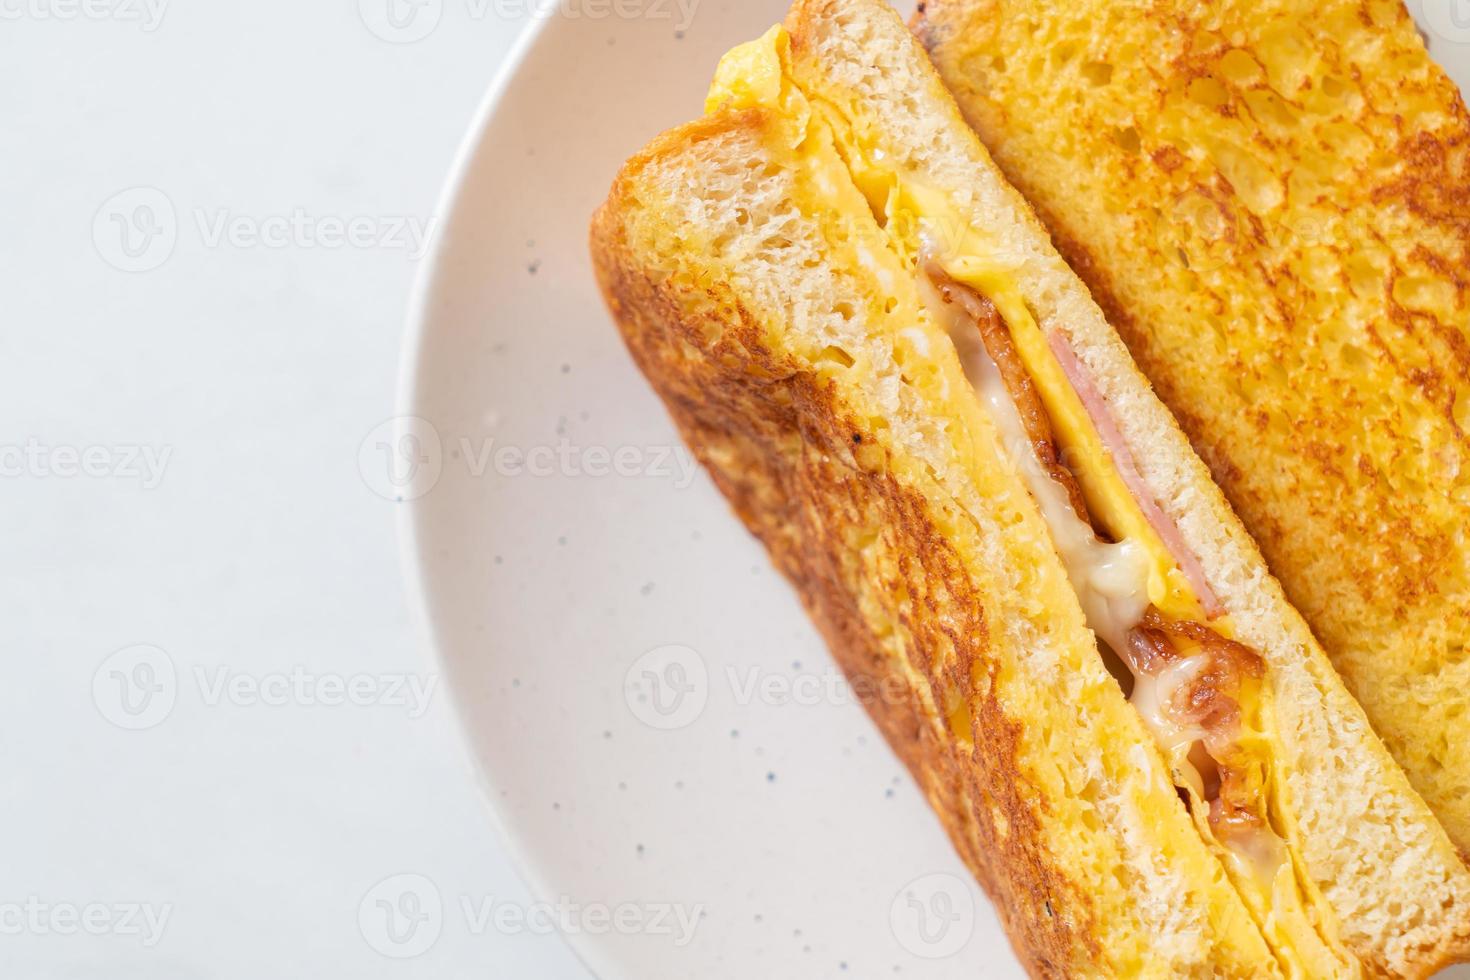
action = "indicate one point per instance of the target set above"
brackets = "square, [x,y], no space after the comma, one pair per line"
[671,754]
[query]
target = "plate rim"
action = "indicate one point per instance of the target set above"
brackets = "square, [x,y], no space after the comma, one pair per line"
[408,403]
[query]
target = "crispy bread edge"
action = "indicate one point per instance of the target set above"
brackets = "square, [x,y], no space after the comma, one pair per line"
[736,405]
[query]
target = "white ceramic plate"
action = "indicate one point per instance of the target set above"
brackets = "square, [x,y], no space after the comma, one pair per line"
[661,732]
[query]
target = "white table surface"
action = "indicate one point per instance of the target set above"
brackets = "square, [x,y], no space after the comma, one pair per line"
[249,818]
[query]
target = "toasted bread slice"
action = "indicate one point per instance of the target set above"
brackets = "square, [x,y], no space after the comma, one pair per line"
[1271,199]
[779,317]
[913,547]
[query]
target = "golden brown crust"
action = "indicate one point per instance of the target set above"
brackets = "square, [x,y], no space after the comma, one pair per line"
[1271,202]
[796,467]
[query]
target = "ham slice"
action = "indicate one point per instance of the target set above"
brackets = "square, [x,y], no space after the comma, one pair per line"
[1107,430]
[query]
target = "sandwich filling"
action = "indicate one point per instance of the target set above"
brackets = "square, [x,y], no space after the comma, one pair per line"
[1200,692]
[1194,687]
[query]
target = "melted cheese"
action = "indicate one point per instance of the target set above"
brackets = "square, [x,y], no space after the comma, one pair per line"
[1152,693]
[751,74]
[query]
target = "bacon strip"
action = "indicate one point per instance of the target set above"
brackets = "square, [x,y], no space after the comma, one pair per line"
[1107,429]
[1210,700]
